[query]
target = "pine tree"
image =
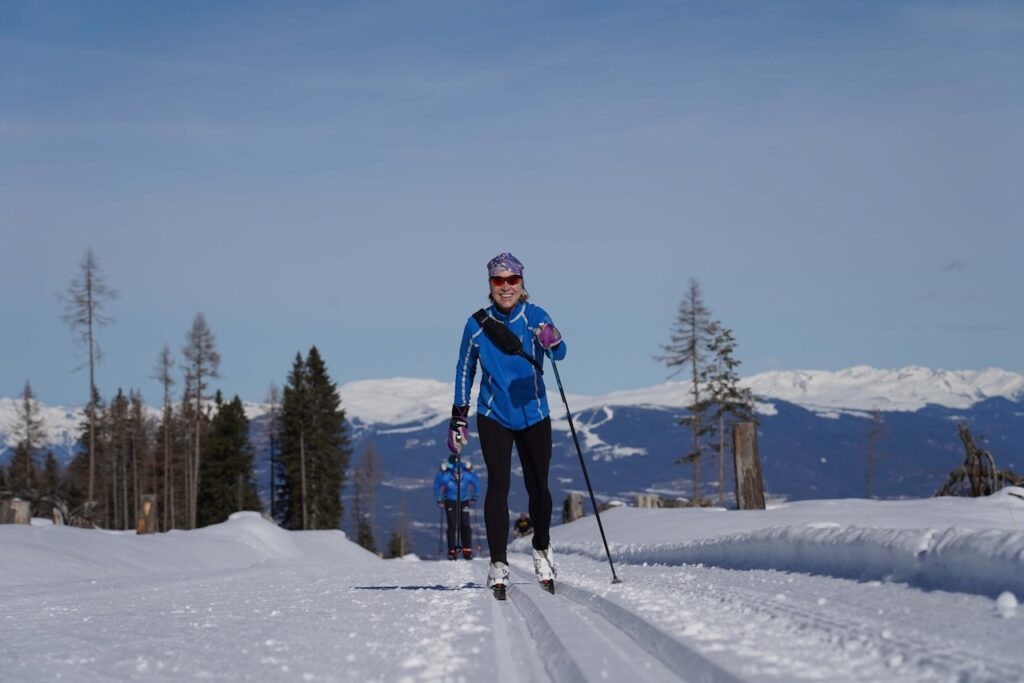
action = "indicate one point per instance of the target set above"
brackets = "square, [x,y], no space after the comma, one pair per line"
[315,447]
[81,470]
[84,300]
[116,467]
[687,350]
[51,488]
[296,425]
[226,483]
[272,430]
[29,432]
[731,403]
[22,474]
[202,363]
[331,446]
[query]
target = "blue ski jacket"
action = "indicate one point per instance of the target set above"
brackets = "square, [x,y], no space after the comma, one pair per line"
[444,484]
[511,389]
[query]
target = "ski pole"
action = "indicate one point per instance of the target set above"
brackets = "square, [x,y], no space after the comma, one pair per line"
[583,464]
[458,505]
[440,535]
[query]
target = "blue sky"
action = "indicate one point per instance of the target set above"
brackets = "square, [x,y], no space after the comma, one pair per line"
[842,178]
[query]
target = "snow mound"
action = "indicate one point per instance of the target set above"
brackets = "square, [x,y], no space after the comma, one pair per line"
[52,554]
[971,545]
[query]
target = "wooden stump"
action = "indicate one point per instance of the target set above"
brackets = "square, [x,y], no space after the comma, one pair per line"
[18,512]
[749,484]
[145,520]
[572,508]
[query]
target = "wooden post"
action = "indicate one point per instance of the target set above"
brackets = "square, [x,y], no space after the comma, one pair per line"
[648,500]
[19,512]
[145,518]
[749,484]
[572,508]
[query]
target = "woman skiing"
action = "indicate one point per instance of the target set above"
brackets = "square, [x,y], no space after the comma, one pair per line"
[512,408]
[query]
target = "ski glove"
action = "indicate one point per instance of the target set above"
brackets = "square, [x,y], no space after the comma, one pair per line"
[440,504]
[458,429]
[548,336]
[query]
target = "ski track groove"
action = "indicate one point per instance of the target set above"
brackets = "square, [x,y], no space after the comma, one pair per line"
[628,639]
[939,653]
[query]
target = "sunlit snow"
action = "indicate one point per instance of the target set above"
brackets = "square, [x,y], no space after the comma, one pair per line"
[842,590]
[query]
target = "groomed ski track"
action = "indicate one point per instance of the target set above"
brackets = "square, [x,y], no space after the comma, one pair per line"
[326,610]
[565,629]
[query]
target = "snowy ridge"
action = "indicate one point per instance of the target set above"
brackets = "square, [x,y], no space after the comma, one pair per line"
[408,404]
[61,425]
[904,389]
[404,400]
[952,544]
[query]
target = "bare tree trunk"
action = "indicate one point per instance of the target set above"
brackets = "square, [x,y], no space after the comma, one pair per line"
[135,478]
[92,420]
[126,511]
[115,502]
[696,429]
[195,476]
[168,505]
[302,476]
[721,460]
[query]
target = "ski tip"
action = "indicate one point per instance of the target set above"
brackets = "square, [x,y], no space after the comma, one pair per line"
[548,585]
[499,591]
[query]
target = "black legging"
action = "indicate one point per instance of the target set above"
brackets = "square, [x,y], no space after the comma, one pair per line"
[534,447]
[467,531]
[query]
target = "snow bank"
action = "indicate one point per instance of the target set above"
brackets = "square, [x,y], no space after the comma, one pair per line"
[52,554]
[955,544]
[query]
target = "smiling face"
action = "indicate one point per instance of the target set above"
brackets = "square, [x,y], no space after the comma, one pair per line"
[506,289]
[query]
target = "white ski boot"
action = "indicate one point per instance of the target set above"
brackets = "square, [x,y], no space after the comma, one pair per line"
[544,566]
[497,579]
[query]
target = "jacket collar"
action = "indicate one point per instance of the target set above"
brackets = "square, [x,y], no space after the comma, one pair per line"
[511,315]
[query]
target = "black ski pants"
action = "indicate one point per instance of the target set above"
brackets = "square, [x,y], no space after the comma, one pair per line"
[534,447]
[467,531]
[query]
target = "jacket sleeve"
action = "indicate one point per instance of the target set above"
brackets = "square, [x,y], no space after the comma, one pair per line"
[465,369]
[438,481]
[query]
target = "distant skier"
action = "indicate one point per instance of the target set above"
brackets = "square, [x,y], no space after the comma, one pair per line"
[512,408]
[446,495]
[523,526]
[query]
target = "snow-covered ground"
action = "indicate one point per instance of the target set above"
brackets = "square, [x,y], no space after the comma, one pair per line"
[850,590]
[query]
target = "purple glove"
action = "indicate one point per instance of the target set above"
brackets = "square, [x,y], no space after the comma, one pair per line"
[548,336]
[458,432]
[440,504]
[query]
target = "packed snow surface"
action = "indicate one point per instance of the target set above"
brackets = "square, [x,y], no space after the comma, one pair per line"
[844,590]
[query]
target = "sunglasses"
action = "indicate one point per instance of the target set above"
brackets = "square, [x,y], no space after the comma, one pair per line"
[498,280]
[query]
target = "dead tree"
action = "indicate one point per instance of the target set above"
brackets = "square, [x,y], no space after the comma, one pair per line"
[978,475]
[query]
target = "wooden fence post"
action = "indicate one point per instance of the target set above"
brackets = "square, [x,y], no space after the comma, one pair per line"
[145,520]
[749,484]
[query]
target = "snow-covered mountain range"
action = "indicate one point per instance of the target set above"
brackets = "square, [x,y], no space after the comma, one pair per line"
[409,403]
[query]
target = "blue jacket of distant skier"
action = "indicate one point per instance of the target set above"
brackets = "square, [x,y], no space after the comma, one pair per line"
[444,484]
[511,389]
